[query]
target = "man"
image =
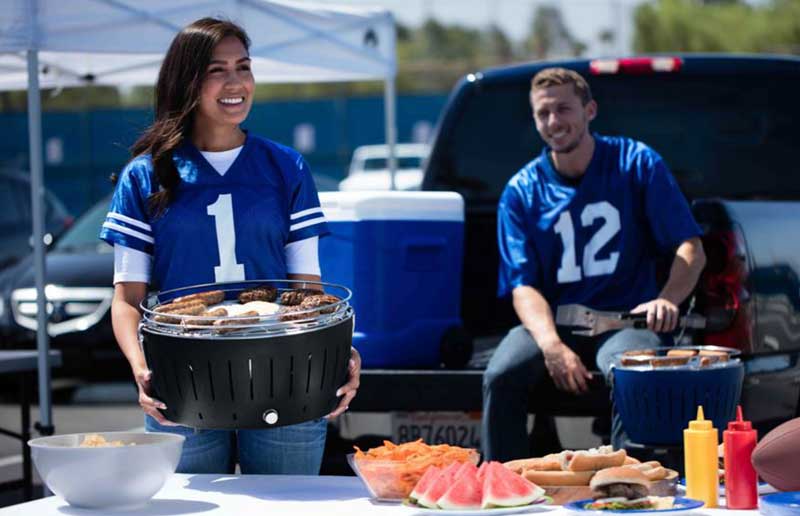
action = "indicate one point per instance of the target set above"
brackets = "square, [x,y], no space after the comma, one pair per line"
[582,223]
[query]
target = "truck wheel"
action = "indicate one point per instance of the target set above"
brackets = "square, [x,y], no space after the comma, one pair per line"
[455,348]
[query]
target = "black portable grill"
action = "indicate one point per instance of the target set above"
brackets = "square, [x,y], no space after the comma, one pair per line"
[262,372]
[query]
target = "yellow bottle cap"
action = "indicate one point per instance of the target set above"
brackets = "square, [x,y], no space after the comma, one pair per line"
[701,423]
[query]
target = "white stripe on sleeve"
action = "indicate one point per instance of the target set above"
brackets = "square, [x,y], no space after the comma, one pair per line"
[300,214]
[131,265]
[129,220]
[128,231]
[306,223]
[302,257]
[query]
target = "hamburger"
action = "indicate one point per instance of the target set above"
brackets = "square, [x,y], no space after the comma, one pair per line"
[623,488]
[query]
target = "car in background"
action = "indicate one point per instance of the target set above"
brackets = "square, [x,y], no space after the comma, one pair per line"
[737,166]
[16,220]
[79,270]
[369,168]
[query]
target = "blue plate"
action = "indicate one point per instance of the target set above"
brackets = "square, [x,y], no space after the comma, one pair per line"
[681,504]
[781,504]
[763,487]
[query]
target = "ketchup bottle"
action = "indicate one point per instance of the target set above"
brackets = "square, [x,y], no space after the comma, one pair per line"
[741,488]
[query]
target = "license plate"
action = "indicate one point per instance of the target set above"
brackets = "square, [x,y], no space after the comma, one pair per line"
[456,428]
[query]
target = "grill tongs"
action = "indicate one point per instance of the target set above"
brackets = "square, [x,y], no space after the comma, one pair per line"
[597,321]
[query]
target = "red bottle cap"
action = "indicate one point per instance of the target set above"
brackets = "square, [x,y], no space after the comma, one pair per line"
[740,425]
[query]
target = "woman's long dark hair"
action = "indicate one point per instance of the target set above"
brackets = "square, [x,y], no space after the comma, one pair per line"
[177,95]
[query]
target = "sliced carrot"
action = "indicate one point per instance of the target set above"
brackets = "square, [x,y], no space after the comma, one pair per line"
[392,470]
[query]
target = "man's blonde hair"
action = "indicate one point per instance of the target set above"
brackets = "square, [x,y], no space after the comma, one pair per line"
[560,76]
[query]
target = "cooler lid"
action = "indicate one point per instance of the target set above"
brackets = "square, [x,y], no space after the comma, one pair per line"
[377,205]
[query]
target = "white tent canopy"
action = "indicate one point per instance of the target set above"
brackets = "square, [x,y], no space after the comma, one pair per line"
[122,43]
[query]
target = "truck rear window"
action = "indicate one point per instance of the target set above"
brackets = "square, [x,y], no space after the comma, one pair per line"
[722,136]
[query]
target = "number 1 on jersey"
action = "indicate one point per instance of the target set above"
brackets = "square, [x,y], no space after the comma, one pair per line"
[222,211]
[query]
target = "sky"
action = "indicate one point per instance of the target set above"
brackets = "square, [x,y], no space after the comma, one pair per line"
[584,18]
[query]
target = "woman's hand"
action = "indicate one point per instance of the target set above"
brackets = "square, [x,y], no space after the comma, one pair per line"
[348,390]
[150,405]
[125,319]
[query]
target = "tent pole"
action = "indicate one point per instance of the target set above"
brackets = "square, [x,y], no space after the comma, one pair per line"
[389,100]
[37,209]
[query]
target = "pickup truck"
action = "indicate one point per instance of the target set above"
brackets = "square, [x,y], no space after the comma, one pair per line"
[726,125]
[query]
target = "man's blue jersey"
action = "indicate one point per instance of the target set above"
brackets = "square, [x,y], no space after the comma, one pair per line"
[229,227]
[597,242]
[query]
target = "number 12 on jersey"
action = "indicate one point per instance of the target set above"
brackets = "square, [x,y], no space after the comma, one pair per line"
[570,271]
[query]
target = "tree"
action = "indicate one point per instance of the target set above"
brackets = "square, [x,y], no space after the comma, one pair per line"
[717,26]
[549,37]
[496,47]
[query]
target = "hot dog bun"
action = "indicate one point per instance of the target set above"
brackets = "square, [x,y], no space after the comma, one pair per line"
[681,353]
[546,463]
[639,352]
[558,478]
[592,460]
[653,470]
[669,361]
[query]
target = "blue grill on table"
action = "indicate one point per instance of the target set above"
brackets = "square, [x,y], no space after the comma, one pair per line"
[655,405]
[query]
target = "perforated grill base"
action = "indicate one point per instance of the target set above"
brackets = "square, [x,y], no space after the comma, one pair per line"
[237,383]
[656,406]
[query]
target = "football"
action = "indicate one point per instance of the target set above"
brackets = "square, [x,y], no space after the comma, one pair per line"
[777,456]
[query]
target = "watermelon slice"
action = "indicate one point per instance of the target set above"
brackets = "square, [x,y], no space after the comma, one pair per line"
[424,483]
[504,488]
[482,471]
[464,467]
[465,492]
[438,486]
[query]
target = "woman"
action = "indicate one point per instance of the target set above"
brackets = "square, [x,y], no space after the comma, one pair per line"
[203,201]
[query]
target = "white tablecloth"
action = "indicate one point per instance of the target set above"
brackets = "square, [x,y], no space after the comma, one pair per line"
[261,495]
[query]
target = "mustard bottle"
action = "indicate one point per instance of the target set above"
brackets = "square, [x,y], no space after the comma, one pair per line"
[700,459]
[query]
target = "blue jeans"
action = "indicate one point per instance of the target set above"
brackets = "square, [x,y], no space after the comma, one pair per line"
[518,364]
[289,450]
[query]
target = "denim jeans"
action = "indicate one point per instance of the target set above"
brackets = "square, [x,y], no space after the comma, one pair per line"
[518,364]
[291,450]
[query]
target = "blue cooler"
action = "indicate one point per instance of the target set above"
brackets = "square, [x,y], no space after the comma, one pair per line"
[401,255]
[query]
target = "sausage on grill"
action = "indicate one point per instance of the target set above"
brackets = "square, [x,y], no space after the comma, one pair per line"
[211,297]
[318,300]
[174,315]
[295,297]
[171,308]
[220,324]
[211,314]
[262,293]
[295,313]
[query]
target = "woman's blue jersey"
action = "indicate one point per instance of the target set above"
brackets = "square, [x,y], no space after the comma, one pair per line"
[229,227]
[597,242]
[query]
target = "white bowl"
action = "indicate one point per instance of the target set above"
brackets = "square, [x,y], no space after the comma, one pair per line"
[109,476]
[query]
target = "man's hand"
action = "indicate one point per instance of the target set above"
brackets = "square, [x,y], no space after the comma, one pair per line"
[662,314]
[566,368]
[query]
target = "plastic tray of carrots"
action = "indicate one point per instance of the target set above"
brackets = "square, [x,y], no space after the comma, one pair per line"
[391,471]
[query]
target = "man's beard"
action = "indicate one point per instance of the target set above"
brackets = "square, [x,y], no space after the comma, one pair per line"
[573,145]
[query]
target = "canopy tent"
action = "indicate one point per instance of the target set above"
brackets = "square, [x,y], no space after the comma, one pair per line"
[121,42]
[53,43]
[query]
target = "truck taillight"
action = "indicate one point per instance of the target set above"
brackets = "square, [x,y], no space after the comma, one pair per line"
[636,65]
[723,291]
